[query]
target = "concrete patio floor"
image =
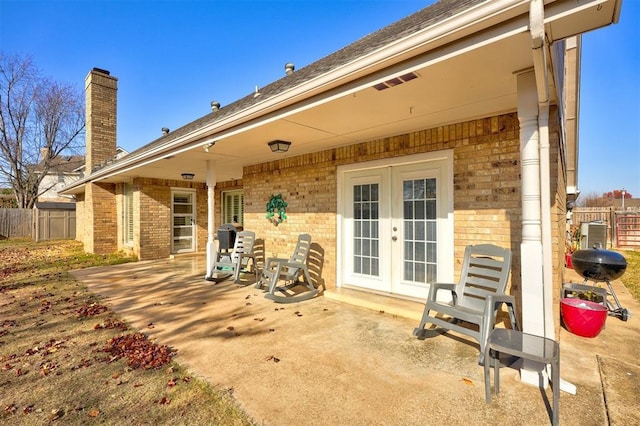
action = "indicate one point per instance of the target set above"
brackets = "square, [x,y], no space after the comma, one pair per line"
[327,362]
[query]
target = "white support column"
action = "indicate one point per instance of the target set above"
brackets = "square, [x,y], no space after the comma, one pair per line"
[211,226]
[533,306]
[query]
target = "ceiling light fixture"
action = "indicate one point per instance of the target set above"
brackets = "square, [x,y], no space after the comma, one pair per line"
[187,176]
[279,146]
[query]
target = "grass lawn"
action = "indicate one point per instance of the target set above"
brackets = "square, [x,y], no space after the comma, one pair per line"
[66,358]
[631,277]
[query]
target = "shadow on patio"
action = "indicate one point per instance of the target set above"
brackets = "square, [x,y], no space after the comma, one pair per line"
[326,362]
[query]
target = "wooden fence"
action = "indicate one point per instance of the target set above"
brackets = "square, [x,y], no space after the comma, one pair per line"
[623,228]
[16,223]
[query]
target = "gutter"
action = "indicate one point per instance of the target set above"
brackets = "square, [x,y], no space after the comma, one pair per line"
[455,27]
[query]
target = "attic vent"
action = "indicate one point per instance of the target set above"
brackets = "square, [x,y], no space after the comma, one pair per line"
[396,81]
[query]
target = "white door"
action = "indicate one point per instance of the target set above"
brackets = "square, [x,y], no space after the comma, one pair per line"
[396,228]
[183,221]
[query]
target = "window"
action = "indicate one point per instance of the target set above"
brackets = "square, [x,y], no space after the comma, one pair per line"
[366,223]
[233,207]
[127,213]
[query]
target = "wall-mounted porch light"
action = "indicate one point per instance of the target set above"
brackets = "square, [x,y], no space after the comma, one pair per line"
[279,146]
[187,176]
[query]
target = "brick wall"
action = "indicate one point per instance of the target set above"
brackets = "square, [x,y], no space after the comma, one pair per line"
[80,219]
[487,198]
[99,218]
[152,225]
[100,92]
[558,209]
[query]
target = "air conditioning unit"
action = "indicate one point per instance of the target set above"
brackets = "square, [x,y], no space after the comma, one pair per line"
[593,234]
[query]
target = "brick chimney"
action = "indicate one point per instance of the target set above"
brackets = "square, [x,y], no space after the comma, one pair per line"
[96,209]
[101,105]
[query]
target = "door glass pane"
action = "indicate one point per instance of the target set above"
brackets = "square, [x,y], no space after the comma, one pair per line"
[179,220]
[420,224]
[183,222]
[365,224]
[182,209]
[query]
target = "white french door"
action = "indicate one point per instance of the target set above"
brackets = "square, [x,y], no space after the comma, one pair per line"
[396,227]
[183,220]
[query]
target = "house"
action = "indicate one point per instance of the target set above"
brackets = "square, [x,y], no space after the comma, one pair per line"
[456,125]
[61,171]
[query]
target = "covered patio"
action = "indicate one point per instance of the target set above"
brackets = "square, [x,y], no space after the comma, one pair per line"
[327,362]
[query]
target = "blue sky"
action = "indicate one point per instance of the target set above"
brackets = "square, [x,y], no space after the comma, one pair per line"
[172,58]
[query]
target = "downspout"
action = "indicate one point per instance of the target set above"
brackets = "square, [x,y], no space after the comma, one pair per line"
[539,51]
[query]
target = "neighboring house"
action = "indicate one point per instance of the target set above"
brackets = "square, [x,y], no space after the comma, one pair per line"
[63,170]
[456,125]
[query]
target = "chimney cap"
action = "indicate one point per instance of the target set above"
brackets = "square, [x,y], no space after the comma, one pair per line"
[101,71]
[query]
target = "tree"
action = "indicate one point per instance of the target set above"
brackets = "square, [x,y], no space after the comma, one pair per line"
[604,200]
[617,194]
[40,119]
[594,200]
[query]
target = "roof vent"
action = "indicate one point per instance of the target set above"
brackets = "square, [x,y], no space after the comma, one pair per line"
[215,106]
[165,130]
[289,68]
[396,81]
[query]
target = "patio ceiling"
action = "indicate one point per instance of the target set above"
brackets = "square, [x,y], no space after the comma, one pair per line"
[469,78]
[458,89]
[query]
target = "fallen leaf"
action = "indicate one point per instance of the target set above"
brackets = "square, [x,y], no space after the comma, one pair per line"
[171,383]
[94,413]
[260,319]
[150,325]
[56,413]
[165,400]
[230,328]
[467,381]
